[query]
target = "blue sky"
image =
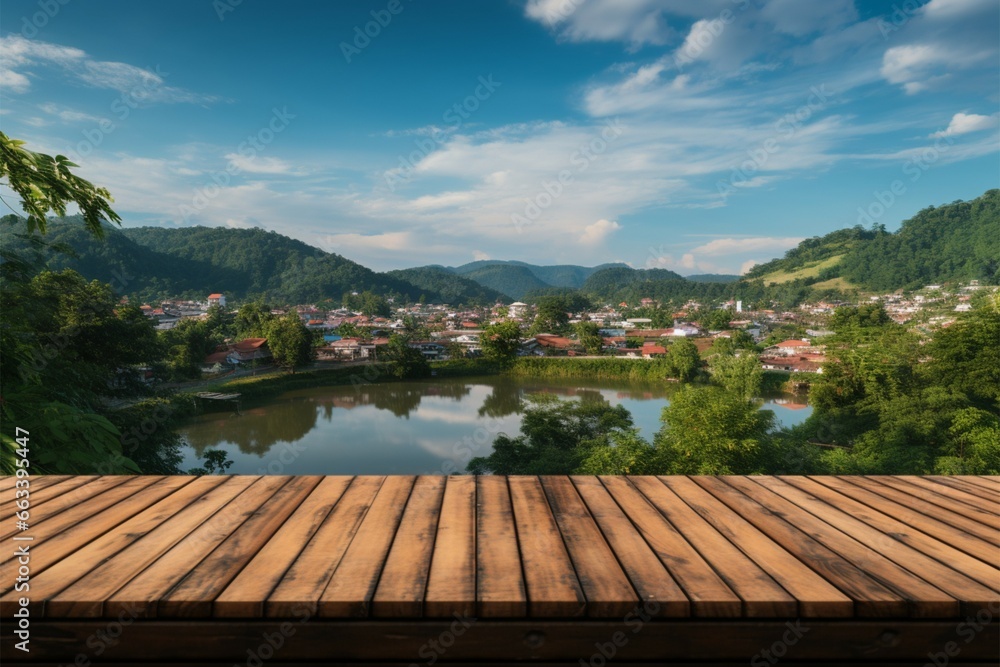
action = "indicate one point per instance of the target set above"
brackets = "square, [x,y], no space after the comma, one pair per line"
[695,136]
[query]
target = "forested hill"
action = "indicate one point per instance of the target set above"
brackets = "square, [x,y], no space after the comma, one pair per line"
[957,241]
[449,287]
[153,262]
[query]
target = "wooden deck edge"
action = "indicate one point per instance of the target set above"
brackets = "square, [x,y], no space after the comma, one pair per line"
[755,642]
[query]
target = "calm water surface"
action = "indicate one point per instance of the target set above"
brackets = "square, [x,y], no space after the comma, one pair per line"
[431,426]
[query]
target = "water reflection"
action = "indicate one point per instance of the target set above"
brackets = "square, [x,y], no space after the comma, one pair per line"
[407,428]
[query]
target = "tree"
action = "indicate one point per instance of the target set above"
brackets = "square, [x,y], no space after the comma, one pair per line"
[500,342]
[683,360]
[45,183]
[252,320]
[740,374]
[710,431]
[966,355]
[555,437]
[290,342]
[589,337]
[405,361]
[552,315]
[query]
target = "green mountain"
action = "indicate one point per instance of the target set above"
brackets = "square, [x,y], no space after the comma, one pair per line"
[957,241]
[510,279]
[448,286]
[191,262]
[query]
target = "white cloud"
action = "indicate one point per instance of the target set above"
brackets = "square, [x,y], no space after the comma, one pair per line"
[144,86]
[731,246]
[794,17]
[598,232]
[479,255]
[255,164]
[963,123]
[68,115]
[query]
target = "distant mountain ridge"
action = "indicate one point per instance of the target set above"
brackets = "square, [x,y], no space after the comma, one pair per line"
[957,241]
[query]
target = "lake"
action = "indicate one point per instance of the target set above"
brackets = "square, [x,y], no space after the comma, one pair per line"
[416,427]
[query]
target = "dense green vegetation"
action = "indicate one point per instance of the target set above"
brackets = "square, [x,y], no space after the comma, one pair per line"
[444,286]
[511,279]
[152,262]
[957,241]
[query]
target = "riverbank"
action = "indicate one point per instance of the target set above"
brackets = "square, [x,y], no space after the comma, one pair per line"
[607,368]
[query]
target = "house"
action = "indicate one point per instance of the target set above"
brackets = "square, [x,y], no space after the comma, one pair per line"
[650,350]
[518,310]
[217,300]
[248,350]
[372,348]
[792,346]
[214,361]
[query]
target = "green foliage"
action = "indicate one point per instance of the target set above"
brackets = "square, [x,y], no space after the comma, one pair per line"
[605,368]
[252,320]
[590,339]
[45,184]
[512,280]
[403,360]
[711,431]
[368,303]
[290,342]
[445,286]
[966,355]
[500,342]
[552,316]
[187,344]
[957,241]
[864,316]
[217,462]
[683,361]
[555,437]
[716,319]
[740,374]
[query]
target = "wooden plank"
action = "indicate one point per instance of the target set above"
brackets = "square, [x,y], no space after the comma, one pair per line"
[117,526]
[659,593]
[895,529]
[193,596]
[924,600]
[145,590]
[815,595]
[970,526]
[605,586]
[85,597]
[972,594]
[552,586]
[451,584]
[89,521]
[401,588]
[43,491]
[306,578]
[36,482]
[987,483]
[352,587]
[989,498]
[761,595]
[500,587]
[75,498]
[710,596]
[870,597]
[944,532]
[245,595]
[943,499]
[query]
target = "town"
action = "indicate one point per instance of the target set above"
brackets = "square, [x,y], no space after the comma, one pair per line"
[790,341]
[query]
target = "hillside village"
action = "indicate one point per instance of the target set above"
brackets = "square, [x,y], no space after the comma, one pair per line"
[790,340]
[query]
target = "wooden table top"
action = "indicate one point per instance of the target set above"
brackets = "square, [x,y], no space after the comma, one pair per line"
[505,547]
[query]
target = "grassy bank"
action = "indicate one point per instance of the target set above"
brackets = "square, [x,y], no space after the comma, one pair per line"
[609,368]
